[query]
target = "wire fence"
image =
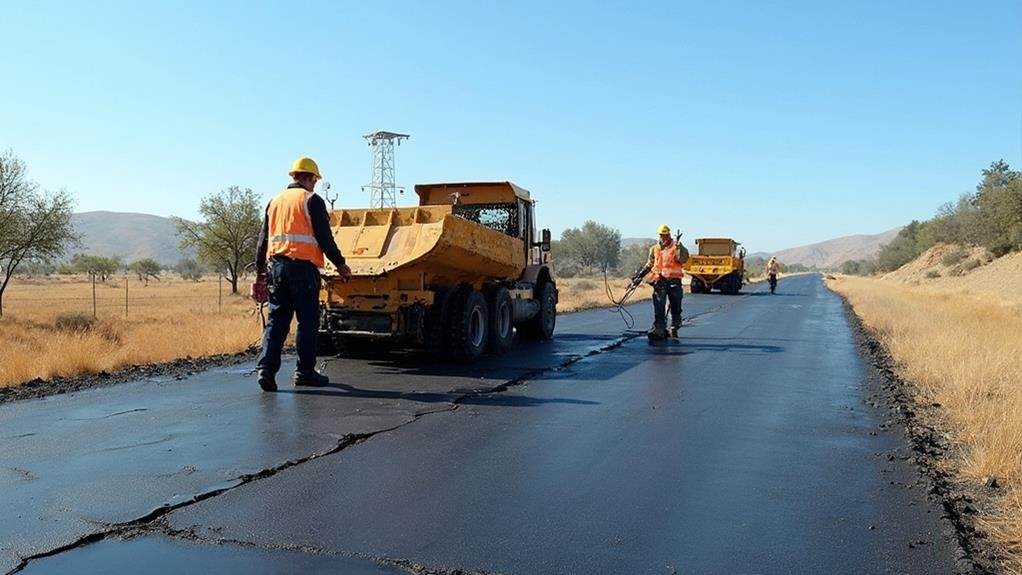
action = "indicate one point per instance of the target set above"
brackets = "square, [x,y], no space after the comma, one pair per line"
[119,297]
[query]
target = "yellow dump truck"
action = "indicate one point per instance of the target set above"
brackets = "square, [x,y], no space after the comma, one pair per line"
[458,275]
[719,264]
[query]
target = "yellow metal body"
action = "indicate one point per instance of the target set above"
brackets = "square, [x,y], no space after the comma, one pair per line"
[716,259]
[398,256]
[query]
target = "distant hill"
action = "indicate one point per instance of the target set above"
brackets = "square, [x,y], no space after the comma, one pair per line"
[130,236]
[832,253]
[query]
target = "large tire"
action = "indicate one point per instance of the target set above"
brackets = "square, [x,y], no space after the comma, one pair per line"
[436,325]
[542,325]
[502,317]
[469,318]
[697,286]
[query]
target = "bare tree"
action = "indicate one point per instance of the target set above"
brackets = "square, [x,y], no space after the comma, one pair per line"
[226,238]
[33,225]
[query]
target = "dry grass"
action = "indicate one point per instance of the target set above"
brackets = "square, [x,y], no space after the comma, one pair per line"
[965,353]
[576,294]
[165,321]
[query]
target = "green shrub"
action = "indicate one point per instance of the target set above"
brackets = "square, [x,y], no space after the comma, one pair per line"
[954,256]
[970,265]
[932,274]
[75,322]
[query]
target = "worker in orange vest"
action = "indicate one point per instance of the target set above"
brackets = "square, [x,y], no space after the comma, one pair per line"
[664,274]
[294,241]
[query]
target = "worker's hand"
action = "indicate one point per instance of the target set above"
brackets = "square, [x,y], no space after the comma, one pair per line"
[345,272]
[258,291]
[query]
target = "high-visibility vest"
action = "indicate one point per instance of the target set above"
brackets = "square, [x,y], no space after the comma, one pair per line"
[290,227]
[664,264]
[772,268]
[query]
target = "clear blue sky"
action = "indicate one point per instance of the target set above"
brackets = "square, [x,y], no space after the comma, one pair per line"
[780,123]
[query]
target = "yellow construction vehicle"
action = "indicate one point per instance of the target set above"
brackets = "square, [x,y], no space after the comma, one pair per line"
[457,275]
[720,264]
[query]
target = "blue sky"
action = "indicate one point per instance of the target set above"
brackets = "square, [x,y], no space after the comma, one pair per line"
[780,123]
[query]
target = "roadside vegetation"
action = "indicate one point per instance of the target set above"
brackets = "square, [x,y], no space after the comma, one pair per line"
[964,352]
[943,299]
[50,331]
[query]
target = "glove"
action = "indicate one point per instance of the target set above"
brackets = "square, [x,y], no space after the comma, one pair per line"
[345,272]
[258,291]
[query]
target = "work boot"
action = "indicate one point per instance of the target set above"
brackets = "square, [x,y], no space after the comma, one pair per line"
[673,333]
[311,379]
[266,380]
[655,333]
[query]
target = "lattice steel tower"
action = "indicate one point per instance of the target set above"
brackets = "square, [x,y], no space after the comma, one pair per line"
[383,190]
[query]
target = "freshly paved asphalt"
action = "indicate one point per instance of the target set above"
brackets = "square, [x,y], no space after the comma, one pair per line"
[745,448]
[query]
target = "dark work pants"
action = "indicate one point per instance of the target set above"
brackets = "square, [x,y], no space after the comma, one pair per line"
[294,291]
[666,291]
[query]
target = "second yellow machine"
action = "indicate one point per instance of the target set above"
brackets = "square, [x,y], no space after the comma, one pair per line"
[457,275]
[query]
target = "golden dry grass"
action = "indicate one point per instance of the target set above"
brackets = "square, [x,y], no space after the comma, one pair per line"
[576,294]
[167,320]
[963,352]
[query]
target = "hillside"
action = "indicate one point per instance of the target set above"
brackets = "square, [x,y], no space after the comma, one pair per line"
[832,253]
[963,270]
[131,236]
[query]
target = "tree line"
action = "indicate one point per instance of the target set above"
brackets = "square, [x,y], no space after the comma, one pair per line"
[36,230]
[990,217]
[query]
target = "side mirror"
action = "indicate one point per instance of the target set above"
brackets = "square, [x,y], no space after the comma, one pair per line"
[545,243]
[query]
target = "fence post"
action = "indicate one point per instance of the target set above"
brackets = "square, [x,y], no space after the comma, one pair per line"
[125,296]
[220,294]
[93,296]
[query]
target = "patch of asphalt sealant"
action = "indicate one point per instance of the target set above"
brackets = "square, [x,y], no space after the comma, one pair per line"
[927,433]
[149,522]
[154,521]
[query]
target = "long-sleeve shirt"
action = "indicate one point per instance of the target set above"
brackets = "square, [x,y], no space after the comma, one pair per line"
[316,208]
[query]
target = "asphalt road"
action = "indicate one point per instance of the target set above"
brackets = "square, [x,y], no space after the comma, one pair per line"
[745,448]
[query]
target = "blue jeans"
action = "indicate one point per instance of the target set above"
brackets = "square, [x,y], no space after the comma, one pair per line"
[666,291]
[294,291]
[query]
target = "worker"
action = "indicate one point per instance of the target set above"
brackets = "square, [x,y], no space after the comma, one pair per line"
[665,273]
[294,239]
[772,269]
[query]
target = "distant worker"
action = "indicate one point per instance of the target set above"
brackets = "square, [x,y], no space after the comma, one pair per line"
[665,273]
[293,241]
[772,269]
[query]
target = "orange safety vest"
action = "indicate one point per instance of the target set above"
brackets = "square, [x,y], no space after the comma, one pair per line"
[772,268]
[290,227]
[664,265]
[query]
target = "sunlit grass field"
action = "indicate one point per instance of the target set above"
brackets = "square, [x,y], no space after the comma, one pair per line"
[47,329]
[963,352]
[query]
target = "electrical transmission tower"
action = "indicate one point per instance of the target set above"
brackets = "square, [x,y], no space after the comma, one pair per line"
[383,190]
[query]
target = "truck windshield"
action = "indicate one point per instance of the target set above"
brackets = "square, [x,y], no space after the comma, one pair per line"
[500,217]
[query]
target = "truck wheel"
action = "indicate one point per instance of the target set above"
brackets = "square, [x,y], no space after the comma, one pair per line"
[436,330]
[502,315]
[697,286]
[469,319]
[542,325]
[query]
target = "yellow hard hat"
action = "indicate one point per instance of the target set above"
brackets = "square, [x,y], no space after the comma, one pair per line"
[663,229]
[306,165]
